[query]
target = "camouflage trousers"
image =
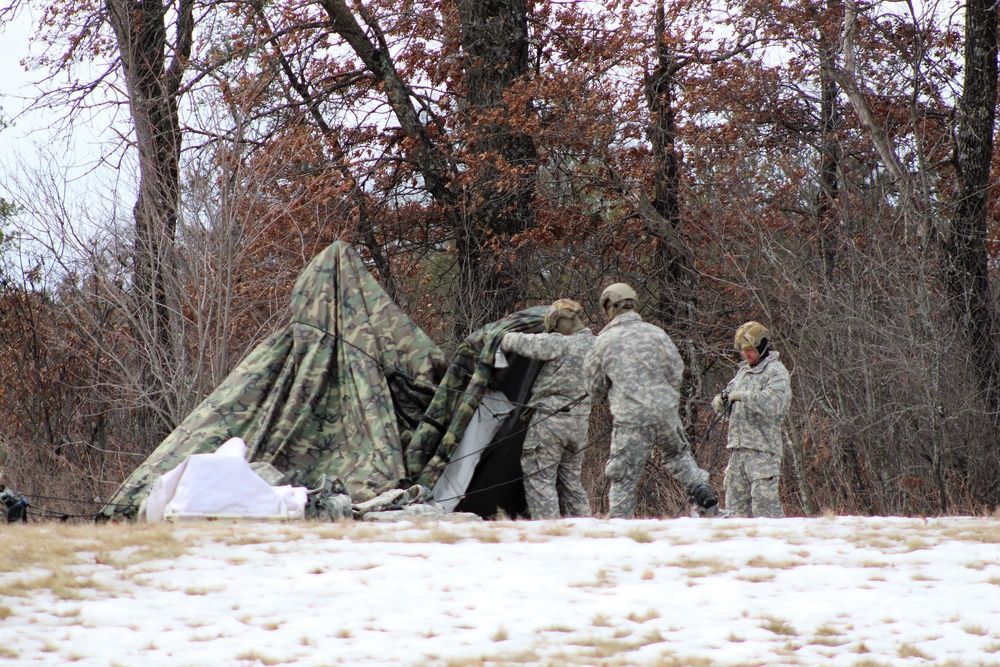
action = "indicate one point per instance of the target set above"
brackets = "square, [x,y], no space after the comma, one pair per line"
[551,461]
[630,448]
[752,483]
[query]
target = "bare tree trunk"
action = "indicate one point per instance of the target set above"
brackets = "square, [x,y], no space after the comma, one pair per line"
[829,152]
[675,279]
[673,261]
[152,85]
[495,44]
[497,200]
[965,247]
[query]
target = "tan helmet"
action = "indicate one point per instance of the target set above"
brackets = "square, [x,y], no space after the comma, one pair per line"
[615,294]
[560,309]
[751,334]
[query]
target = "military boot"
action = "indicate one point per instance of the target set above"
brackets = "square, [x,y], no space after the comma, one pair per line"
[706,503]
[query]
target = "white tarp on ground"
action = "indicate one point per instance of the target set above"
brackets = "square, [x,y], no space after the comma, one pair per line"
[221,484]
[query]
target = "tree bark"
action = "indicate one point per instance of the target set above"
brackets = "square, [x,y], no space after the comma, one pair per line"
[495,44]
[674,262]
[829,148]
[152,86]
[965,246]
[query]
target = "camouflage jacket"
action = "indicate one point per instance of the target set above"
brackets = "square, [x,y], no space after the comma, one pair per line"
[561,379]
[638,367]
[755,420]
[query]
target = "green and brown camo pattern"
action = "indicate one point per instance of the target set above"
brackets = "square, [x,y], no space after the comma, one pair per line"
[327,395]
[460,393]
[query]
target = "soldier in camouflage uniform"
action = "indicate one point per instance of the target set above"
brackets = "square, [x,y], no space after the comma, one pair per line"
[552,458]
[755,401]
[637,365]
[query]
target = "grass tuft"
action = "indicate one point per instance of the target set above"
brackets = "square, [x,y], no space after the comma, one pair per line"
[911,651]
[975,629]
[778,626]
[642,618]
[772,563]
[600,621]
[555,529]
[757,577]
[640,536]
[557,628]
[254,656]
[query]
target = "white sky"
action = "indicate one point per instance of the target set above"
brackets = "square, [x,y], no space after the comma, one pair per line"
[843,591]
[59,173]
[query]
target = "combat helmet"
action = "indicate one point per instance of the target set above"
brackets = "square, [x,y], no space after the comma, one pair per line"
[616,294]
[560,309]
[752,334]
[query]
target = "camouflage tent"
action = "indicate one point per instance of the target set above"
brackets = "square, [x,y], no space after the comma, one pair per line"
[331,393]
[340,390]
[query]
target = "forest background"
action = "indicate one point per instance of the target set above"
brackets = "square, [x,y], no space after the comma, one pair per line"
[826,167]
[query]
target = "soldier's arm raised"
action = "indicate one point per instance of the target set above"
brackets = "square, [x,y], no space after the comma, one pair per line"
[543,346]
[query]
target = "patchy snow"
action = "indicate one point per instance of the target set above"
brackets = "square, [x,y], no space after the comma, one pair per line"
[833,591]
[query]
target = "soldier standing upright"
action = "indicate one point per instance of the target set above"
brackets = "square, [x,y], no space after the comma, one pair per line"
[638,367]
[755,401]
[552,457]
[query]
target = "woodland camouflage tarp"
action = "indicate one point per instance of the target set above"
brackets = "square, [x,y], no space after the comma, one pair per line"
[461,392]
[328,394]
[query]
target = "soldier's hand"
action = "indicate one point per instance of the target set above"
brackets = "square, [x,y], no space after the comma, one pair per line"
[735,396]
[718,404]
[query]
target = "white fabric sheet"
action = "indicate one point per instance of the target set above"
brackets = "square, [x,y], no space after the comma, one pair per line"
[221,484]
[455,480]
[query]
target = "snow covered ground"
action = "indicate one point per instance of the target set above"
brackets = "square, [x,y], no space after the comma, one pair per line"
[827,591]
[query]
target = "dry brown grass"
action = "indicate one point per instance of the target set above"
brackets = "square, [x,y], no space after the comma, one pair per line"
[975,629]
[778,626]
[557,628]
[701,567]
[602,579]
[254,656]
[640,536]
[987,532]
[57,545]
[757,577]
[649,615]
[772,563]
[911,651]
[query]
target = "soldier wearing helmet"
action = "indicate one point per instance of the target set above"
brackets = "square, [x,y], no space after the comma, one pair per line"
[638,367]
[755,401]
[552,457]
